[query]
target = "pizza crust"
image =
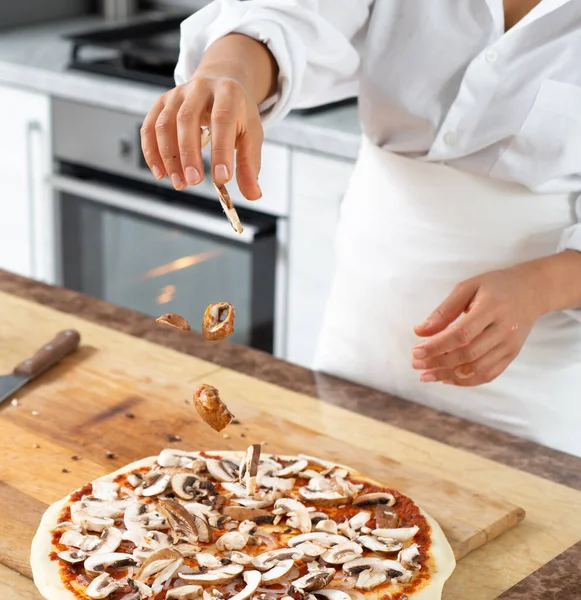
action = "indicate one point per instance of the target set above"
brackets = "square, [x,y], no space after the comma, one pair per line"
[46,571]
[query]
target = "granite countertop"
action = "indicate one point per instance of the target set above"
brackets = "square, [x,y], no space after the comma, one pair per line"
[560,578]
[36,58]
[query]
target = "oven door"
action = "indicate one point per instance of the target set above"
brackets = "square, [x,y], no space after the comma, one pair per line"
[154,253]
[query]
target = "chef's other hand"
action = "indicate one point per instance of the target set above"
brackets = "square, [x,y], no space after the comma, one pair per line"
[479,329]
[236,74]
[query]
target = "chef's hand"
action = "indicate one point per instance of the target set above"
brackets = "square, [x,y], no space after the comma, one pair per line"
[235,75]
[480,328]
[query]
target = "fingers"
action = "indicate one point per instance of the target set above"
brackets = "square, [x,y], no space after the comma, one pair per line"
[457,335]
[224,126]
[170,135]
[149,140]
[167,139]
[482,344]
[484,370]
[189,118]
[480,371]
[452,307]
[248,158]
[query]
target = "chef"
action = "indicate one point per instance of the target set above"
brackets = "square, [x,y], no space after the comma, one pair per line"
[458,271]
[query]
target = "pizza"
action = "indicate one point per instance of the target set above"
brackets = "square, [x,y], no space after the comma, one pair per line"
[238,526]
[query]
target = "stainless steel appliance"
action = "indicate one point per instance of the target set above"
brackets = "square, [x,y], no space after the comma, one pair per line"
[145,49]
[136,242]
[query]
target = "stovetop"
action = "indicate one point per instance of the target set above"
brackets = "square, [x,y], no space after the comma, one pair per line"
[146,51]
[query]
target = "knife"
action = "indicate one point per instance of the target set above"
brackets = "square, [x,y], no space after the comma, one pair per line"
[64,343]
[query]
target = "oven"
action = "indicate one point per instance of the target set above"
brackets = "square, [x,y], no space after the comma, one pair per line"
[133,241]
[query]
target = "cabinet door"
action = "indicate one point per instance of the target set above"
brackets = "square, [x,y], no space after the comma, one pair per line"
[24,167]
[318,185]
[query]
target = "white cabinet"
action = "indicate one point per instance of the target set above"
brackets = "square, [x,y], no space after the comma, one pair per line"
[318,184]
[24,168]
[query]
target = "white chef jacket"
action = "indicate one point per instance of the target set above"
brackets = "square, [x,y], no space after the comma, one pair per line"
[437,80]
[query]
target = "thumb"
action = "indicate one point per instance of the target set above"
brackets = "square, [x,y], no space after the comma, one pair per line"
[450,309]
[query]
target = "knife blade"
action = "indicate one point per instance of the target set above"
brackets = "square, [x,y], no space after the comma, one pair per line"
[47,356]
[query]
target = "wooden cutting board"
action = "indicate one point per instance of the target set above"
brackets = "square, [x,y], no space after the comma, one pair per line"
[122,395]
[98,402]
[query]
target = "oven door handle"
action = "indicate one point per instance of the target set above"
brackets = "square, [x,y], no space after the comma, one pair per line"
[148,206]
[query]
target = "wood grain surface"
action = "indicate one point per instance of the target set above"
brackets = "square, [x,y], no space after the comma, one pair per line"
[123,395]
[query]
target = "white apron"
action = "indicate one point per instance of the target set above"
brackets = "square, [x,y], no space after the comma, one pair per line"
[408,232]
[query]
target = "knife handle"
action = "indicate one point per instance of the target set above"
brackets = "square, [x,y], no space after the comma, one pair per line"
[64,343]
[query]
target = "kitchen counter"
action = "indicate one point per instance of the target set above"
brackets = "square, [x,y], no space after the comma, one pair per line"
[559,578]
[36,58]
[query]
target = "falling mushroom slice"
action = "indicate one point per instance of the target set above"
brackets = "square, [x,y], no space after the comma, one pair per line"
[228,207]
[223,195]
[218,321]
[102,586]
[175,321]
[211,408]
[249,468]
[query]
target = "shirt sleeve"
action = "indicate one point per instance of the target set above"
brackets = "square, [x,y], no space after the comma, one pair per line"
[311,41]
[571,240]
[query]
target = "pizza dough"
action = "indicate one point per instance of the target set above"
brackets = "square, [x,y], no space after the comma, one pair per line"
[439,560]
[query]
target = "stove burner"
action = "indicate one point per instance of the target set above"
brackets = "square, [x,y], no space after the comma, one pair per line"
[146,51]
